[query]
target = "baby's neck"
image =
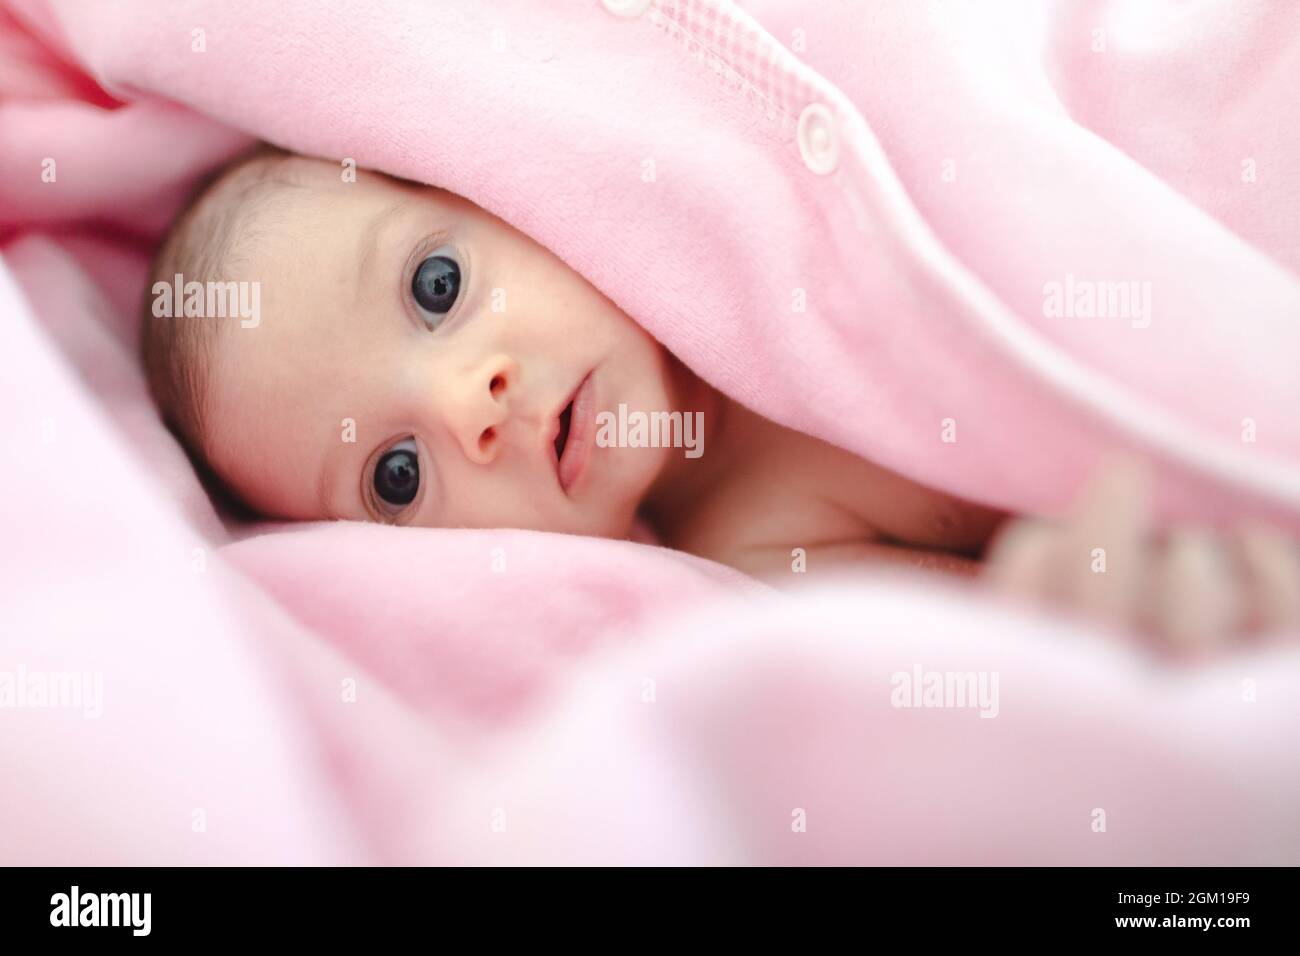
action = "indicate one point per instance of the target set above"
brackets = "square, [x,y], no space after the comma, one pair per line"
[729,429]
[761,486]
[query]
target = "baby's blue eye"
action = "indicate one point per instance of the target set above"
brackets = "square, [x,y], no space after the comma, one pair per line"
[397,475]
[436,284]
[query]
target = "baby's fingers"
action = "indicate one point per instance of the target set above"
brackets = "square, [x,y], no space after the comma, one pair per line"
[1102,558]
[1196,603]
[1020,557]
[1271,572]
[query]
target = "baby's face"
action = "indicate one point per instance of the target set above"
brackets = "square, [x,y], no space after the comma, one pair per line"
[412,362]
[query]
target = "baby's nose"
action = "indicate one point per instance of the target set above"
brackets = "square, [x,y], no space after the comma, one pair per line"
[483,407]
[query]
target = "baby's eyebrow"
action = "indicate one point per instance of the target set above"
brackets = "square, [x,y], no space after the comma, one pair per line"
[368,240]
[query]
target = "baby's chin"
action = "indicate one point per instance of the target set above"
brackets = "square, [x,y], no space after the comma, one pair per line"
[611,521]
[611,509]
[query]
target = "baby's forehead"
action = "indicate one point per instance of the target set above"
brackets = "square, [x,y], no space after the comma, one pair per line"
[298,191]
[266,207]
[265,184]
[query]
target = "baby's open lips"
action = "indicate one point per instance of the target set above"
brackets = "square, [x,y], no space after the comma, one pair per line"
[560,429]
[563,436]
[573,415]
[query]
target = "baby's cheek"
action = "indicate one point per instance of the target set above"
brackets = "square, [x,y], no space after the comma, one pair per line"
[639,468]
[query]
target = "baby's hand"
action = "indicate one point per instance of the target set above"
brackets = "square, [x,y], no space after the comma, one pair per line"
[1191,589]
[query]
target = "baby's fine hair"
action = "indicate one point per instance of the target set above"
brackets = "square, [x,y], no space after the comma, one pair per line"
[203,244]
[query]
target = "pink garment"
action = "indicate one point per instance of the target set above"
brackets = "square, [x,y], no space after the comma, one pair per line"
[850,220]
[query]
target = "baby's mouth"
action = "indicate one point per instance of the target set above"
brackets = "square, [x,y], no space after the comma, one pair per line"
[563,436]
[574,435]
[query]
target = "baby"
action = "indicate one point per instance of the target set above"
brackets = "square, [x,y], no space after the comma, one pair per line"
[417,361]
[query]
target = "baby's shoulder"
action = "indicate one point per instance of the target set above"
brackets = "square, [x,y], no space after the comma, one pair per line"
[763,510]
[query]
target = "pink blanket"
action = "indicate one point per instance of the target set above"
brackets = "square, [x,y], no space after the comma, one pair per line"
[983,250]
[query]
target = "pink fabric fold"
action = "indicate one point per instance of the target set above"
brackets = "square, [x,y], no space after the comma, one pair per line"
[335,693]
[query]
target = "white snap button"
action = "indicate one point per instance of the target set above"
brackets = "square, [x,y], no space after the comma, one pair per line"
[626,8]
[819,140]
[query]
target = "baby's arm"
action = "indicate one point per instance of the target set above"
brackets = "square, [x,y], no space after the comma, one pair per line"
[780,565]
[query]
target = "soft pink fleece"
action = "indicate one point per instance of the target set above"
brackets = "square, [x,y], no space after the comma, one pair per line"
[615,701]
